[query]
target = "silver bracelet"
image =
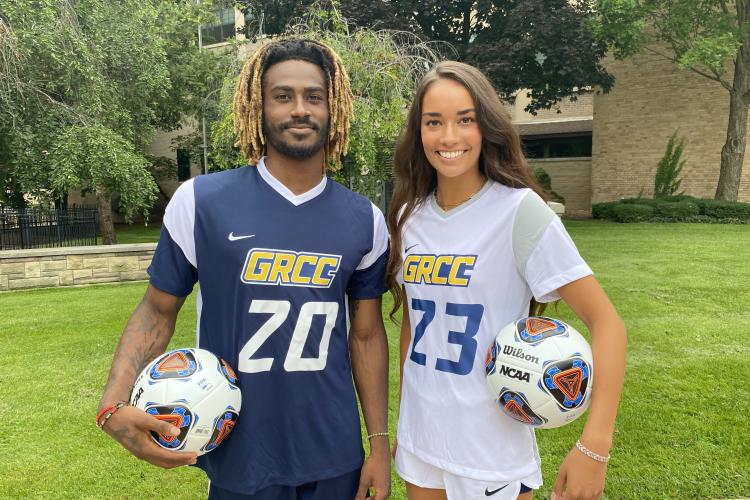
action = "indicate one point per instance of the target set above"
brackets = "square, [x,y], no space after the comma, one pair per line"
[591,454]
[376,434]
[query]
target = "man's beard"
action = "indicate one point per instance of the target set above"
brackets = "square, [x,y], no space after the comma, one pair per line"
[291,150]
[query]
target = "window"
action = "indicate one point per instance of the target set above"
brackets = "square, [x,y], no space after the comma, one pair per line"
[223,30]
[558,147]
[183,165]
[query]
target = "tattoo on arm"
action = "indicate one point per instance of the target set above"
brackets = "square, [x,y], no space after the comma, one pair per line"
[145,337]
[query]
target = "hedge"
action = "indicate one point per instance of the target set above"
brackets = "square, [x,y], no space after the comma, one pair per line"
[632,212]
[678,208]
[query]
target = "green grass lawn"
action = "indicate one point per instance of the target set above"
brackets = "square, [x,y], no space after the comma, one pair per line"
[682,430]
[136,233]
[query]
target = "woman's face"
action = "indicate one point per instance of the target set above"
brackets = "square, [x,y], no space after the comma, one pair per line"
[450,133]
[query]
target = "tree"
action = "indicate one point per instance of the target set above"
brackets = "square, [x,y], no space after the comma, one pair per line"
[271,17]
[544,46]
[710,38]
[81,156]
[85,73]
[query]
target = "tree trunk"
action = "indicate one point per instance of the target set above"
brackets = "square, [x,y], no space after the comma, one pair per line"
[106,226]
[733,152]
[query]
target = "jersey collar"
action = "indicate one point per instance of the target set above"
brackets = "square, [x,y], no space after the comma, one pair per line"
[447,213]
[294,199]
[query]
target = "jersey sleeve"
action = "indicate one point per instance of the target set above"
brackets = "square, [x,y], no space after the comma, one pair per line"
[399,272]
[545,254]
[368,280]
[174,267]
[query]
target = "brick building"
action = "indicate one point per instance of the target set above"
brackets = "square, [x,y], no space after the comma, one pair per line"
[628,130]
[651,99]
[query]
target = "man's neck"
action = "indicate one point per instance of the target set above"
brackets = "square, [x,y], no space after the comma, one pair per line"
[299,176]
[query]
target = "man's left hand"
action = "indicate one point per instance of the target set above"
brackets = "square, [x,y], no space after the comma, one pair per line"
[376,475]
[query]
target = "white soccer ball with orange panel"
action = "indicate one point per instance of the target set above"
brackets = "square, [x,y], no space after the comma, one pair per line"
[540,371]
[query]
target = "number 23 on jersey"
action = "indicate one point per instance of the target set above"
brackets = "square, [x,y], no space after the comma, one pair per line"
[466,338]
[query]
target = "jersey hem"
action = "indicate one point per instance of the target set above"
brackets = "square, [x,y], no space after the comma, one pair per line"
[480,474]
[367,295]
[309,478]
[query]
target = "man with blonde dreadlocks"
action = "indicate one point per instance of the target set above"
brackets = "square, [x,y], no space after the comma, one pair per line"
[282,255]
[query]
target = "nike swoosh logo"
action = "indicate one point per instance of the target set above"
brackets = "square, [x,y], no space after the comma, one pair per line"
[407,250]
[489,493]
[232,237]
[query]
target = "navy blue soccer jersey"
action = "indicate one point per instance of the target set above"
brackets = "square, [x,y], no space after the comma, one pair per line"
[274,270]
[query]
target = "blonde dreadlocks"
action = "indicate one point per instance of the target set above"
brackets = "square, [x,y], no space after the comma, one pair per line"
[247,106]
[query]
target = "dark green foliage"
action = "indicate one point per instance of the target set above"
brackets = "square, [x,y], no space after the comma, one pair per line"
[545,182]
[720,209]
[680,208]
[640,201]
[604,210]
[632,212]
[546,47]
[679,197]
[113,69]
[667,180]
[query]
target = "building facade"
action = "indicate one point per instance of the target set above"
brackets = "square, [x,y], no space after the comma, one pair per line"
[651,99]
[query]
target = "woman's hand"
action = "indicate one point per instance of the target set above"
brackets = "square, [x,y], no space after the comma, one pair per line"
[579,478]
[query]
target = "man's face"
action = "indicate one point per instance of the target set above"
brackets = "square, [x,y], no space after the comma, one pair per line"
[295,108]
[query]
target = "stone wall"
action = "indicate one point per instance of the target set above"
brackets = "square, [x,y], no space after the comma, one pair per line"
[53,267]
[571,179]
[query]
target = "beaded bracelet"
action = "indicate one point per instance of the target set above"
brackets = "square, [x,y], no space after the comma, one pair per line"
[591,454]
[376,434]
[103,416]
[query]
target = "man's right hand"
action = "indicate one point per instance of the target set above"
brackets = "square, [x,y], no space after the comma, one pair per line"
[132,427]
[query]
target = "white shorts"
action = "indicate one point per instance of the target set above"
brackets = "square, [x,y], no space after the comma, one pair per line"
[419,473]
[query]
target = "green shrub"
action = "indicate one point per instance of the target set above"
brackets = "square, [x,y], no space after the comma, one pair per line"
[720,209]
[604,210]
[545,182]
[667,180]
[677,210]
[679,197]
[639,201]
[632,212]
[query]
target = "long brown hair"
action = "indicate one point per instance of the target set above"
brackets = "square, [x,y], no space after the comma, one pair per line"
[501,158]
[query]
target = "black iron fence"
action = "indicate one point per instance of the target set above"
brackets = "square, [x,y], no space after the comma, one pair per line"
[35,228]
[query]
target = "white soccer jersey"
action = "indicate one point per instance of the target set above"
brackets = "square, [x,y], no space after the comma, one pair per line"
[467,273]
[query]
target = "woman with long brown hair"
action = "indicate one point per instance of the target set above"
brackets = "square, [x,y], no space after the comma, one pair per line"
[474,247]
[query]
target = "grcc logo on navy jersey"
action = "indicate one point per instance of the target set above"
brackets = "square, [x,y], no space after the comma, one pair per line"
[270,266]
